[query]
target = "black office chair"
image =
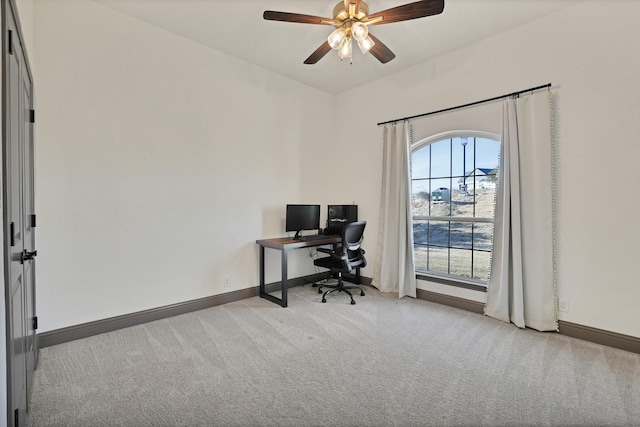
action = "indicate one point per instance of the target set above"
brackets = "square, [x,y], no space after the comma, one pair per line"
[345,258]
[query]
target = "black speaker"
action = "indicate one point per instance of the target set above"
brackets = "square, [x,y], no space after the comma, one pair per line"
[338,216]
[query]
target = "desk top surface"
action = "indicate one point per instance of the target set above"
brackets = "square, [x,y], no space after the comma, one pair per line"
[285,243]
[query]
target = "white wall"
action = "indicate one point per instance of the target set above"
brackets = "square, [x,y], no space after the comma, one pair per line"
[589,53]
[159,163]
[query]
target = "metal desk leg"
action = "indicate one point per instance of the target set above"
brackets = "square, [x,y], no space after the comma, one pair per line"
[262,287]
[284,278]
[263,291]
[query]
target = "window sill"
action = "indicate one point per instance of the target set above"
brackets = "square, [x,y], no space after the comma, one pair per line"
[450,281]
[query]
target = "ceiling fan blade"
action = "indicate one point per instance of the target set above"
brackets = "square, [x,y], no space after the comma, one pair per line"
[381,51]
[271,15]
[418,9]
[318,54]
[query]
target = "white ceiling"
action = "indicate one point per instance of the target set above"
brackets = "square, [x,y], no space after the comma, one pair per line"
[236,27]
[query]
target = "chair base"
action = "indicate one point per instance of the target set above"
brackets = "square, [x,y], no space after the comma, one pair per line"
[340,288]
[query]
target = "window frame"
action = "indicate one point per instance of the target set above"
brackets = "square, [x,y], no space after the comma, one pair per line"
[439,277]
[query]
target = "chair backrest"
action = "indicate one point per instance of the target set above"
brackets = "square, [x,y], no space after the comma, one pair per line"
[352,236]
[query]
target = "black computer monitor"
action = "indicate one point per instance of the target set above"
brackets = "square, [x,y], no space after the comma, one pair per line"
[340,215]
[302,217]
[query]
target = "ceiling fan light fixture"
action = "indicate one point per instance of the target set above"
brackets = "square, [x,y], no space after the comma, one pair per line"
[359,31]
[366,44]
[351,19]
[337,38]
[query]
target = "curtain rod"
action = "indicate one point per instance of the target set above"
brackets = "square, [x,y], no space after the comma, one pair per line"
[467,105]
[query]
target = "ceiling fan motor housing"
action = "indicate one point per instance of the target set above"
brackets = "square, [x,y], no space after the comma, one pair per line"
[341,15]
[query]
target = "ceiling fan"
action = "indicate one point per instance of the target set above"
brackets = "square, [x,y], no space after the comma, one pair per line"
[351,19]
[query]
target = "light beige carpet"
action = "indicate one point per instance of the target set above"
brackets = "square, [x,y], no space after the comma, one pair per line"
[381,362]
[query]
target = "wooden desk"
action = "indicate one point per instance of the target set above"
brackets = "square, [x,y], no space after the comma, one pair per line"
[284,245]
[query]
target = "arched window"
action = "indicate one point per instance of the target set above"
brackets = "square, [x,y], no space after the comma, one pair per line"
[453,188]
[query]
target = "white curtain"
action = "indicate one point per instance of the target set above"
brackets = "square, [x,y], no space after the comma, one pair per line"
[521,289]
[394,268]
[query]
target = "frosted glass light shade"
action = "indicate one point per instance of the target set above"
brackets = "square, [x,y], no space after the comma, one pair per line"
[359,31]
[337,38]
[345,49]
[366,44]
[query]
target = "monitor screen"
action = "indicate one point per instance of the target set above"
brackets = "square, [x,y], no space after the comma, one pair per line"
[302,217]
[340,215]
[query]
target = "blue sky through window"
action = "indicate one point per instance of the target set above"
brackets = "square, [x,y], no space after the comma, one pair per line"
[486,152]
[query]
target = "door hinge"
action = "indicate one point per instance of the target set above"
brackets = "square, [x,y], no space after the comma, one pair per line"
[10,41]
[32,116]
[35,323]
[12,233]
[33,220]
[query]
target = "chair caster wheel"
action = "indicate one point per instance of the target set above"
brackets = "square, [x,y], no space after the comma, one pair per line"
[361,293]
[319,290]
[324,300]
[353,302]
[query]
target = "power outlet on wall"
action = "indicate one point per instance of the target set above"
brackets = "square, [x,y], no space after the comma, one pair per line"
[563,305]
[226,282]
